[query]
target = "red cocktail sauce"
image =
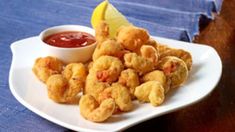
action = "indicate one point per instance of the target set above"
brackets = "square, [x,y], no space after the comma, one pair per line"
[70,39]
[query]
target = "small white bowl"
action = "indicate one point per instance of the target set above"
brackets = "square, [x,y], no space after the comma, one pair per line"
[68,55]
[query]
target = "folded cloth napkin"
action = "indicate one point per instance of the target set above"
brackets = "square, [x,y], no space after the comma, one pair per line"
[182,17]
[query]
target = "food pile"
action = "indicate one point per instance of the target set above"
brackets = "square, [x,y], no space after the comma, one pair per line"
[131,66]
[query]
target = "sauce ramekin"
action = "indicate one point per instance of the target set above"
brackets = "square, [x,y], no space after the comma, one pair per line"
[68,55]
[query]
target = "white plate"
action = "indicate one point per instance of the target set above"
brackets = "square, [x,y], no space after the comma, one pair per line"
[29,91]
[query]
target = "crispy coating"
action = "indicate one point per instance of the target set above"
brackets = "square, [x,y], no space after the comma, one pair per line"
[150,53]
[101,32]
[120,94]
[91,110]
[62,90]
[107,68]
[175,69]
[108,47]
[138,63]
[45,67]
[159,76]
[151,91]
[75,71]
[132,38]
[94,86]
[130,79]
[180,53]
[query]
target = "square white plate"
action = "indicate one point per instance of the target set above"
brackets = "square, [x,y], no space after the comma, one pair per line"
[29,91]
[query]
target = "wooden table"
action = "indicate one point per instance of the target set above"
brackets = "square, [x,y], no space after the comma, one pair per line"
[216,113]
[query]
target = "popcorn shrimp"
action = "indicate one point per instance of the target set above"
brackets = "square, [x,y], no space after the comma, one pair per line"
[132,38]
[94,86]
[159,76]
[151,91]
[130,79]
[61,90]
[180,53]
[120,94]
[101,32]
[45,67]
[108,47]
[175,69]
[91,110]
[107,68]
[138,63]
[150,53]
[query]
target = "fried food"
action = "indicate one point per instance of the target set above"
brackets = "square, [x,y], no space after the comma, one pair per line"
[165,51]
[94,86]
[75,72]
[45,67]
[175,69]
[62,90]
[120,94]
[107,68]
[101,32]
[132,38]
[130,79]
[91,110]
[108,47]
[130,66]
[151,91]
[138,63]
[150,53]
[159,76]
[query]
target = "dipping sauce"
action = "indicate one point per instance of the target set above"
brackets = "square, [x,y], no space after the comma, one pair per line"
[70,39]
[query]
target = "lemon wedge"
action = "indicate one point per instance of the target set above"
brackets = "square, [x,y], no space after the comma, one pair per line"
[108,13]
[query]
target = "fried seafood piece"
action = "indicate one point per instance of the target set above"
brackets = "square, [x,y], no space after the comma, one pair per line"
[130,79]
[132,38]
[180,53]
[138,63]
[108,47]
[151,91]
[91,110]
[120,94]
[107,68]
[45,67]
[175,69]
[150,53]
[75,71]
[61,90]
[159,76]
[93,86]
[101,32]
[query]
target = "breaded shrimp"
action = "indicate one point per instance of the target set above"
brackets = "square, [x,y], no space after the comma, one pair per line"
[138,63]
[94,86]
[62,90]
[180,53]
[150,53]
[45,67]
[120,94]
[130,79]
[92,111]
[159,76]
[175,69]
[108,47]
[107,68]
[101,32]
[132,38]
[151,91]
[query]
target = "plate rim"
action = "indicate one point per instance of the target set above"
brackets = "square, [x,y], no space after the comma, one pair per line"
[72,127]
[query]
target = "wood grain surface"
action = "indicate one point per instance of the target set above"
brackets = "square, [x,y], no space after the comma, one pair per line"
[216,113]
